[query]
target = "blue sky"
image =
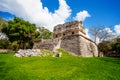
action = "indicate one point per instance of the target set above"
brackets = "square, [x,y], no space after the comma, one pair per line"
[102,12]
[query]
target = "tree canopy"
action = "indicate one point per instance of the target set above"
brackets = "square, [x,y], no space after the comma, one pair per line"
[110,47]
[2,23]
[21,31]
[44,33]
[100,32]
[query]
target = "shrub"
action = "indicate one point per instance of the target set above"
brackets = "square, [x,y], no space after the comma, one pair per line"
[4,44]
[104,46]
[14,46]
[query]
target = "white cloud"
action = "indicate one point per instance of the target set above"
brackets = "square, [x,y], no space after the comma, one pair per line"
[109,34]
[82,15]
[33,11]
[104,34]
[108,30]
[87,32]
[117,29]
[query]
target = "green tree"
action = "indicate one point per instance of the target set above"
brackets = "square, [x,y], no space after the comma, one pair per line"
[2,23]
[116,45]
[105,46]
[44,33]
[21,31]
[100,32]
[4,44]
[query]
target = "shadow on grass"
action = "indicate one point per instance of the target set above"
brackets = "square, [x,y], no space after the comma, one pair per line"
[115,60]
[4,69]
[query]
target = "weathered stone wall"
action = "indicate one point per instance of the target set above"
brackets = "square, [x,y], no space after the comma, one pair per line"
[87,47]
[70,43]
[44,44]
[68,28]
[79,45]
[51,44]
[5,50]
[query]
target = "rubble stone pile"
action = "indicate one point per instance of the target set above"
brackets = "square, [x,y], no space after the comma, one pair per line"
[29,52]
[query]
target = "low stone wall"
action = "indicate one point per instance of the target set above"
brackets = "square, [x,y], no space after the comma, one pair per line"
[5,50]
[50,44]
[44,44]
[111,54]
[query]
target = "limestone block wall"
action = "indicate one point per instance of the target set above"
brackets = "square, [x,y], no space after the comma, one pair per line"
[79,45]
[44,44]
[70,43]
[68,28]
[5,50]
[87,47]
[51,44]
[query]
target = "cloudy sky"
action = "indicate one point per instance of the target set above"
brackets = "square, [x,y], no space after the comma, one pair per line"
[49,13]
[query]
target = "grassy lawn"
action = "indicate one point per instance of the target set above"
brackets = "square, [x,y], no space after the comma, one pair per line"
[65,68]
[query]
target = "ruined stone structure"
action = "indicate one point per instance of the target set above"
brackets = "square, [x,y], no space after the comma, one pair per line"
[70,36]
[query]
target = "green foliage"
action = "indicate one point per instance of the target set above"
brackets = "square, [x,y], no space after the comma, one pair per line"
[104,46]
[64,52]
[2,23]
[116,45]
[4,44]
[112,47]
[46,52]
[44,33]
[64,68]
[14,45]
[21,31]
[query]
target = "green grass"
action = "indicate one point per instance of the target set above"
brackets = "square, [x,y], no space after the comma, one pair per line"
[65,68]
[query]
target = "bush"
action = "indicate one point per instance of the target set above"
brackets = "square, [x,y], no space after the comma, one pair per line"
[14,46]
[110,48]
[116,47]
[4,44]
[104,46]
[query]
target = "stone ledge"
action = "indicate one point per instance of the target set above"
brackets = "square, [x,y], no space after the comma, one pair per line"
[5,50]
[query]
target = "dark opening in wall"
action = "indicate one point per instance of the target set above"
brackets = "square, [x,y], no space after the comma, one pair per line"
[54,29]
[67,26]
[73,32]
[56,36]
[59,28]
[63,34]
